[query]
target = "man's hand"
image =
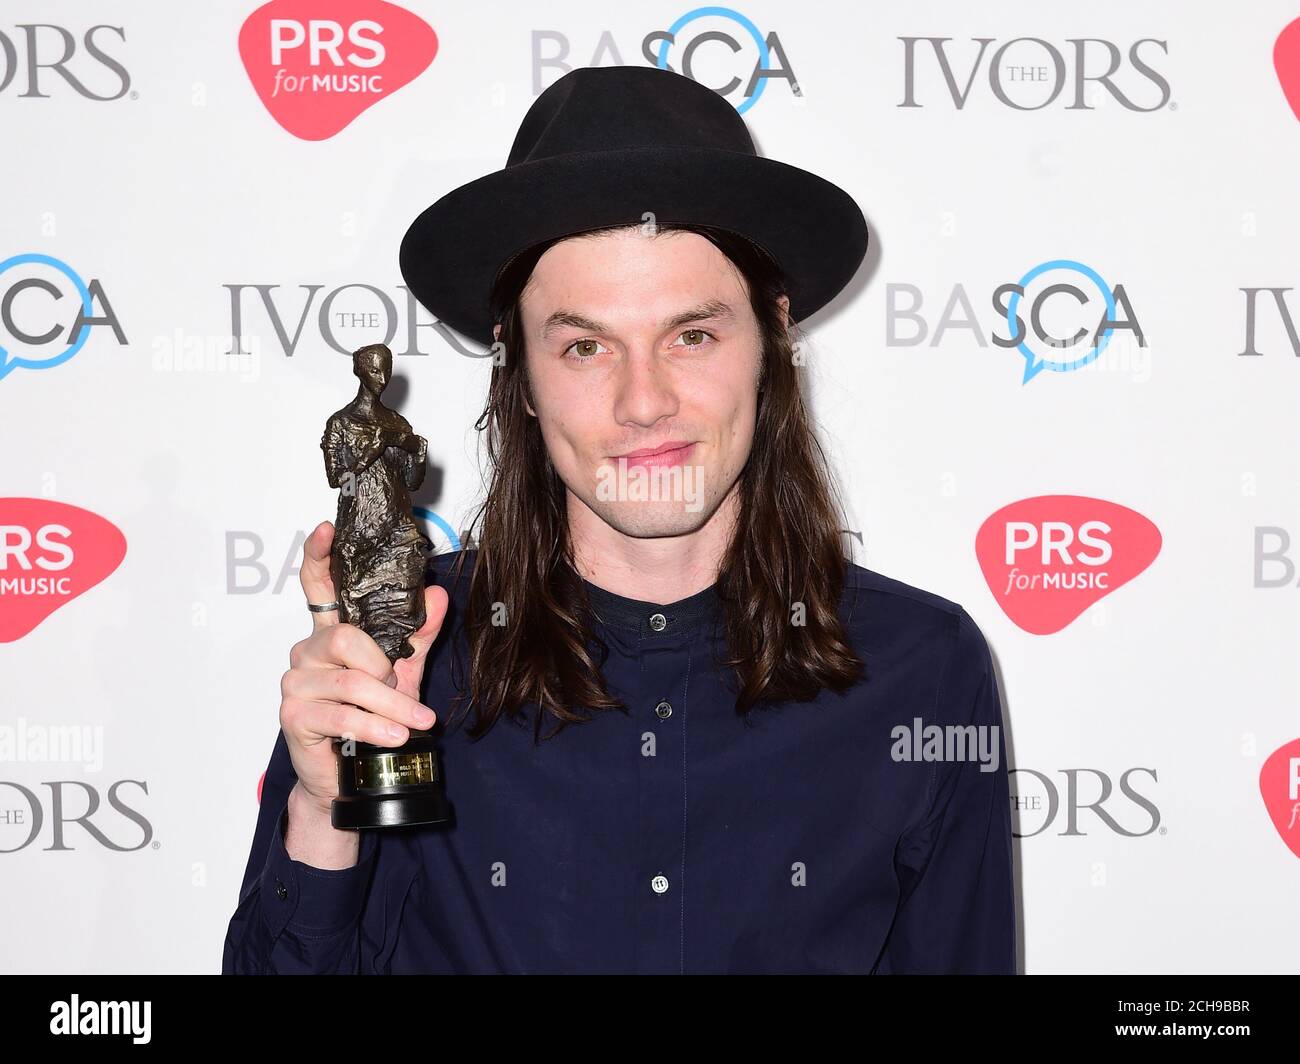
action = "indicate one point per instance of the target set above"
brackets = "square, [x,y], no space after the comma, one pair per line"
[340,684]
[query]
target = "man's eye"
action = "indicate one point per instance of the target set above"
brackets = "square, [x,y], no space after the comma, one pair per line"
[584,355]
[701,333]
[586,350]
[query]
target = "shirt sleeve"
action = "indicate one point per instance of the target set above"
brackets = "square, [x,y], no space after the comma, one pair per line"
[293,918]
[956,909]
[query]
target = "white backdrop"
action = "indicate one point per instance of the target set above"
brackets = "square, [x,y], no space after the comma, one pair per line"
[147,168]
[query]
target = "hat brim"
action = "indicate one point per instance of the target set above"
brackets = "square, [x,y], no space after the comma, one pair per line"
[451,253]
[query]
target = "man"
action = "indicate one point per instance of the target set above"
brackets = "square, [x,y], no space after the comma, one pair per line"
[732,777]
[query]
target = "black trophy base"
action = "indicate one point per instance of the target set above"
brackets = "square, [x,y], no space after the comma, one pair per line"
[389,787]
[389,811]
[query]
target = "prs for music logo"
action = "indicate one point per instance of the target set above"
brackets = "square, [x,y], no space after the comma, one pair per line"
[1279,783]
[1048,558]
[1286,61]
[50,553]
[317,64]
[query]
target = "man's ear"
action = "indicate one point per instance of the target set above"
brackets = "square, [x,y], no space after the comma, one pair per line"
[496,335]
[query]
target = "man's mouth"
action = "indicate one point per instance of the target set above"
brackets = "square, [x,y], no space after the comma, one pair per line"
[674,452]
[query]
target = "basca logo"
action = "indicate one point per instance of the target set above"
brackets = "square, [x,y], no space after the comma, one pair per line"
[1070,324]
[1279,783]
[317,64]
[1048,558]
[46,311]
[249,573]
[1037,803]
[50,553]
[716,46]
[41,60]
[1029,73]
[23,815]
[1274,566]
[1286,61]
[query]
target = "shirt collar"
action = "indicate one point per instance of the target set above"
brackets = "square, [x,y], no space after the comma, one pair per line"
[652,620]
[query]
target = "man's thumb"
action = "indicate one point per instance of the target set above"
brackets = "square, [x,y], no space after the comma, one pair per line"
[408,673]
[435,609]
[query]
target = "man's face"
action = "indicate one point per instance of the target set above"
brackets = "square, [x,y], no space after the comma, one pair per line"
[635,343]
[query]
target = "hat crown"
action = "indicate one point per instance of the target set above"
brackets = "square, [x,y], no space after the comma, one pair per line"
[613,108]
[606,146]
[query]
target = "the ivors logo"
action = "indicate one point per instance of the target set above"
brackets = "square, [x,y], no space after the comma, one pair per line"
[50,553]
[1047,559]
[24,812]
[40,60]
[317,64]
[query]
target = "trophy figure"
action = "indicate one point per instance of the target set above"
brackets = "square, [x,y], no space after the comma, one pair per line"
[378,564]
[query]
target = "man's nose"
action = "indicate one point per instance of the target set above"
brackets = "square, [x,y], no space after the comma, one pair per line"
[646,391]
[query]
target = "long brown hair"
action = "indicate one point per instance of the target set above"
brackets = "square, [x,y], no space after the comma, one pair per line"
[528,623]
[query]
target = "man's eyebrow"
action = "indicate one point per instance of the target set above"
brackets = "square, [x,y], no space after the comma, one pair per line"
[710,310]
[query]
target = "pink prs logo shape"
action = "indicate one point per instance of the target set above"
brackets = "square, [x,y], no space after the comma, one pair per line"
[317,64]
[1286,61]
[1279,784]
[50,553]
[1048,558]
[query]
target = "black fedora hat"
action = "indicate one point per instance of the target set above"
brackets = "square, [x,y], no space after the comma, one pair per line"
[608,146]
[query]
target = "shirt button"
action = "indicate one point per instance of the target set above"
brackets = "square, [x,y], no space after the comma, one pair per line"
[658,622]
[659,884]
[664,710]
[281,891]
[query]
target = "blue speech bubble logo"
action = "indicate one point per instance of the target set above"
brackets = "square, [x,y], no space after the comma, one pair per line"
[425,514]
[1035,365]
[735,16]
[10,362]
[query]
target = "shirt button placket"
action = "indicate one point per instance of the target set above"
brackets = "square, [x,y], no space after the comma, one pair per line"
[662,800]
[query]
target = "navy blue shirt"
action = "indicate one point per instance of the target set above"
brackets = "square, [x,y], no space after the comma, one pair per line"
[679,837]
